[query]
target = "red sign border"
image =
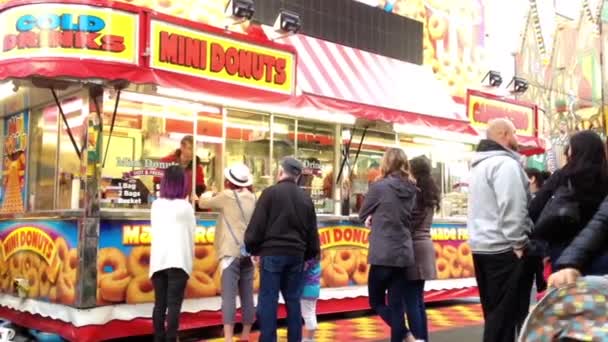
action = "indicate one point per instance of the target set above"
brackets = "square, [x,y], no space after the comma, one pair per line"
[503,99]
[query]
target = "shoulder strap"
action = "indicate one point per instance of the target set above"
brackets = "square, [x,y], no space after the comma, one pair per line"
[231,231]
[238,202]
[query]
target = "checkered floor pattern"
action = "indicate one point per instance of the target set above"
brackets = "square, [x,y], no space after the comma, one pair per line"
[372,328]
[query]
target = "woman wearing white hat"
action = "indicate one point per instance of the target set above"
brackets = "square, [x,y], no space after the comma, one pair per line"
[236,204]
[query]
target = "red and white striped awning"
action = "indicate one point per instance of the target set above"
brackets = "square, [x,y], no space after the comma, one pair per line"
[339,72]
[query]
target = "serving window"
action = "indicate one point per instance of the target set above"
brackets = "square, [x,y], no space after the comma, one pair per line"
[41,166]
[149,134]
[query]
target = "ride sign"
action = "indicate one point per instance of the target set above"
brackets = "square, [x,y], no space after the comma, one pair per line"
[78,31]
[483,108]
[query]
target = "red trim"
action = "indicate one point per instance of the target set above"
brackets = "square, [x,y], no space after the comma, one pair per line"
[188,321]
[501,98]
[97,3]
[143,74]
[530,146]
[371,112]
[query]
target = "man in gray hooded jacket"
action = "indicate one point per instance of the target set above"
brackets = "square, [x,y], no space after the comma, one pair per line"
[498,226]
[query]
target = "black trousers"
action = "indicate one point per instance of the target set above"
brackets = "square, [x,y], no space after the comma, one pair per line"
[383,282]
[505,283]
[169,287]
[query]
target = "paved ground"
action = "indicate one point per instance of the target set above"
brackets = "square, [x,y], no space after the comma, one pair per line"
[455,322]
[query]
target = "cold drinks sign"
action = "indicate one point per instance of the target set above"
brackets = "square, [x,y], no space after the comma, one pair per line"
[202,54]
[72,31]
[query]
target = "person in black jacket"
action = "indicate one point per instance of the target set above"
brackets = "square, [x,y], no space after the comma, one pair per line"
[389,204]
[587,172]
[283,232]
[588,248]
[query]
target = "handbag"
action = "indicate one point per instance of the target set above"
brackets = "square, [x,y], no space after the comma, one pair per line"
[242,247]
[560,214]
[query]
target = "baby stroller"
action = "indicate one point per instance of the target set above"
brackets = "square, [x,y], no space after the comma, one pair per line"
[575,313]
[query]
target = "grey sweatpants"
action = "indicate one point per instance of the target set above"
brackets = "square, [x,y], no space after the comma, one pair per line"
[238,279]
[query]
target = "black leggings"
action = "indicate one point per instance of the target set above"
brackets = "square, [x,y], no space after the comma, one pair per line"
[169,286]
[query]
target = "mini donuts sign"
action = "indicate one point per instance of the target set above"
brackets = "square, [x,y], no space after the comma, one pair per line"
[29,239]
[206,55]
[73,31]
[44,254]
[344,236]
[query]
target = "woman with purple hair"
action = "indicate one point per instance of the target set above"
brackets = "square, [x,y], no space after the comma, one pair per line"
[172,251]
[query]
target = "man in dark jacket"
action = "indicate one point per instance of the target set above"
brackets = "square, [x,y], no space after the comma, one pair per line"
[283,232]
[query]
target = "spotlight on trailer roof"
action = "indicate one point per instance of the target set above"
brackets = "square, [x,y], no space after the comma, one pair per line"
[240,9]
[494,78]
[288,22]
[520,85]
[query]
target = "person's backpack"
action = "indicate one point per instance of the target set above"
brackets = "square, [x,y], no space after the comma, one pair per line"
[575,313]
[560,215]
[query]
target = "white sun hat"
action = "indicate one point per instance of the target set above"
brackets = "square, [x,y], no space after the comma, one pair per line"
[239,175]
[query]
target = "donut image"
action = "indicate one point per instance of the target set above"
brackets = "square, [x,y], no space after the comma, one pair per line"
[113,287]
[61,248]
[200,285]
[66,289]
[467,272]
[217,280]
[100,300]
[29,261]
[109,261]
[45,283]
[140,290]
[465,256]
[437,27]
[205,259]
[326,259]
[465,36]
[5,282]
[15,265]
[33,283]
[139,260]
[347,260]
[173,7]
[450,252]
[70,263]
[438,250]
[53,294]
[3,263]
[443,268]
[455,268]
[361,273]
[335,276]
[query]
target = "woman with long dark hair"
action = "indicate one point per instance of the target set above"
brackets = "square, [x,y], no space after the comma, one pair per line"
[586,174]
[172,251]
[389,203]
[427,202]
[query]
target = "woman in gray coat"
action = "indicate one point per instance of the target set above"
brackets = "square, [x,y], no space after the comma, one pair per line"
[427,202]
[389,203]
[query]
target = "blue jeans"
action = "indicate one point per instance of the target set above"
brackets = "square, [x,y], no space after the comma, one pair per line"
[284,274]
[383,279]
[415,309]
